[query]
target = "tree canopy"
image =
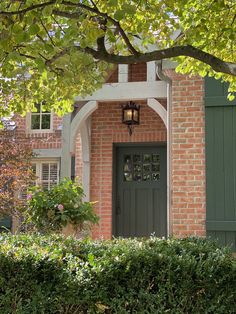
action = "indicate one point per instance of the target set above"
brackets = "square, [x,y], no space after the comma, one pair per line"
[52,50]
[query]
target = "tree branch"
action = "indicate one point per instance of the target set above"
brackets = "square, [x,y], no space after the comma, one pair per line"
[109,18]
[69,15]
[75,15]
[58,56]
[217,64]
[31,8]
[101,53]
[50,38]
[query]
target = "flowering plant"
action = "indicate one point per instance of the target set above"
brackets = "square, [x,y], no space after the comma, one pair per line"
[51,210]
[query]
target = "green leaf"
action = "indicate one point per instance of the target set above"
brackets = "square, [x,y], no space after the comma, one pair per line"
[22,37]
[119,14]
[33,29]
[112,3]
[131,9]
[40,63]
[47,10]
[17,28]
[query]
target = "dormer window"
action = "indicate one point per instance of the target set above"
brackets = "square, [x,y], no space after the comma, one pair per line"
[41,120]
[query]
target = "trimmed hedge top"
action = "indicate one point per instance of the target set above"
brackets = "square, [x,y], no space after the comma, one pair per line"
[40,274]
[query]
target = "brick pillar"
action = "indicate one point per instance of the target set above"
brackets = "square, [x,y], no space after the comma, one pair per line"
[188,208]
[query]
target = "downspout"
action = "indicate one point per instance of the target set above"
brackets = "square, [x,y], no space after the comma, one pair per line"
[167,79]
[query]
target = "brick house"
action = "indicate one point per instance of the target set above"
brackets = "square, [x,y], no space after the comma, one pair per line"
[153,181]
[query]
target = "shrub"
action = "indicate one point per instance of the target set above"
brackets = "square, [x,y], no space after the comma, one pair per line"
[40,274]
[51,210]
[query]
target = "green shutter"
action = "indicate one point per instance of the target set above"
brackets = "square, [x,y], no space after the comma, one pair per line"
[220,163]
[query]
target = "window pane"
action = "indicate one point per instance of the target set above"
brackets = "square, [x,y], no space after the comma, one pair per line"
[45,185]
[53,172]
[45,171]
[51,184]
[35,122]
[33,166]
[46,121]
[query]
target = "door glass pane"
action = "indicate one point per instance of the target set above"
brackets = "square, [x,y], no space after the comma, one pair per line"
[155,157]
[127,163]
[128,176]
[127,168]
[138,167]
[147,157]
[155,176]
[146,167]
[146,177]
[137,176]
[138,172]
[155,167]
[136,158]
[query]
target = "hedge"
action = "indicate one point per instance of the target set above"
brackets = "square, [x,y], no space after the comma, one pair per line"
[40,274]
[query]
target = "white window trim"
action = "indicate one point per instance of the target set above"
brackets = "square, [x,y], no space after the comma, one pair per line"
[28,124]
[39,162]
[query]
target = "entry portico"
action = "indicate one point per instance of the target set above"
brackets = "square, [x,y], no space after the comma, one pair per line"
[96,127]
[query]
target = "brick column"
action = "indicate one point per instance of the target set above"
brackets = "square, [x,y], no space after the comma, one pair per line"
[188,208]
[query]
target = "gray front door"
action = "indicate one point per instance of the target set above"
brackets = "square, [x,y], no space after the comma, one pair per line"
[140,192]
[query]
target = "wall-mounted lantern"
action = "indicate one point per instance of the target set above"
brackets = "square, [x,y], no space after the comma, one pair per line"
[130,115]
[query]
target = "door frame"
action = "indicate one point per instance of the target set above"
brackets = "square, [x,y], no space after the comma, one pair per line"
[115,147]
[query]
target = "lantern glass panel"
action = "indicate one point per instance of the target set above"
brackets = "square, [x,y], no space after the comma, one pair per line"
[127,114]
[135,115]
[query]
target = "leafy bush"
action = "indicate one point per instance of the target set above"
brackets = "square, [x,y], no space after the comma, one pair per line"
[40,274]
[51,210]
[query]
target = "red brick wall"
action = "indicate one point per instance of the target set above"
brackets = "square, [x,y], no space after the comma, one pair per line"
[40,140]
[106,130]
[137,72]
[188,209]
[113,76]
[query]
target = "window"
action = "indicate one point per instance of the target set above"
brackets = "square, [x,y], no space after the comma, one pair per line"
[40,120]
[47,173]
